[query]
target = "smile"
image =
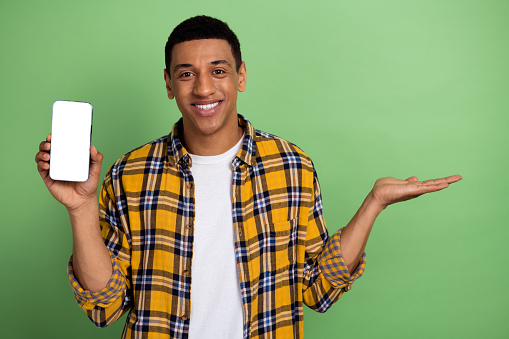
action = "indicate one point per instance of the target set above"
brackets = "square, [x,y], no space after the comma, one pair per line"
[208,106]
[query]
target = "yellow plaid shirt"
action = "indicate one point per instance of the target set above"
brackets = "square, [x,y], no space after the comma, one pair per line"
[284,254]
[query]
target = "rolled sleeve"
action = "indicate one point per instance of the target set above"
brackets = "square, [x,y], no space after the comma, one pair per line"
[114,288]
[333,266]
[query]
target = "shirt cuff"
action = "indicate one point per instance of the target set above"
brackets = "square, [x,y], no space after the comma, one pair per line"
[113,290]
[333,266]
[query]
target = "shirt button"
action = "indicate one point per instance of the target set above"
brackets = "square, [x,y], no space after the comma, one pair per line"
[184,317]
[185,272]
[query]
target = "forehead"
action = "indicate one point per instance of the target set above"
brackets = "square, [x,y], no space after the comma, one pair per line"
[201,51]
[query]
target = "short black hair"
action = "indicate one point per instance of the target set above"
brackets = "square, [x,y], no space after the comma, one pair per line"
[198,28]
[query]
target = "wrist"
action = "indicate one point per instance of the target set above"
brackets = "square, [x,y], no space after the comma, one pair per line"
[85,221]
[83,206]
[373,204]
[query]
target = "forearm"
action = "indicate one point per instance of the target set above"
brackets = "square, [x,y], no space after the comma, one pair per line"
[91,259]
[354,236]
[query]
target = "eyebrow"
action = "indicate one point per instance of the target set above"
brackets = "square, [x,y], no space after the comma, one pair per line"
[221,62]
[215,63]
[180,66]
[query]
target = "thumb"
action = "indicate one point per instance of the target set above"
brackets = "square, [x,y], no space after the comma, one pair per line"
[96,161]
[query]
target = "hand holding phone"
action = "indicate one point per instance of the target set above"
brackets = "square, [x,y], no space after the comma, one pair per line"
[72,194]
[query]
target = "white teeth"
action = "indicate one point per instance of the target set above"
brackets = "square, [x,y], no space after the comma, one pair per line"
[207,107]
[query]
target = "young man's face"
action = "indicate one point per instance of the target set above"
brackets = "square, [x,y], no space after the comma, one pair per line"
[204,82]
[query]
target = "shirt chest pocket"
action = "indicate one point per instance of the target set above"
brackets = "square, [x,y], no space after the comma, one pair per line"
[278,245]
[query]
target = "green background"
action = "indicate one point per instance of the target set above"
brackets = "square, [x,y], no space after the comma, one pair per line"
[367,88]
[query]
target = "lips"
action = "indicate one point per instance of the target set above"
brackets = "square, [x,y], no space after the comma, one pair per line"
[207,106]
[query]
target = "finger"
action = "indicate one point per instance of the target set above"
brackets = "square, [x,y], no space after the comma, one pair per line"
[43,169]
[42,166]
[422,189]
[45,146]
[48,138]
[42,156]
[416,189]
[450,179]
[454,178]
[95,154]
[412,179]
[95,165]
[42,160]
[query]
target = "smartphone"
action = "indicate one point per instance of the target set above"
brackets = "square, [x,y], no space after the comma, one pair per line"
[71,132]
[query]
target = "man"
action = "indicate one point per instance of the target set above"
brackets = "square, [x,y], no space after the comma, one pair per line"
[216,230]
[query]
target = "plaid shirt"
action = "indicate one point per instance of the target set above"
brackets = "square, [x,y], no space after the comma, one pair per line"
[283,252]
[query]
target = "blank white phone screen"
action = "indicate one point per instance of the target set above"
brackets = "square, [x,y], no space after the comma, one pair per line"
[71,127]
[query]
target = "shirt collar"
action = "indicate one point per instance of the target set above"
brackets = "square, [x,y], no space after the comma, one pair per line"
[178,155]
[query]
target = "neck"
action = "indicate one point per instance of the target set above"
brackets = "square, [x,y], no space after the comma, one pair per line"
[214,144]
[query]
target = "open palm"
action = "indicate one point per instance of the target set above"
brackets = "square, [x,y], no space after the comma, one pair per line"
[387,191]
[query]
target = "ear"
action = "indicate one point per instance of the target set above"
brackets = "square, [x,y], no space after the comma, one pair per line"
[242,77]
[167,79]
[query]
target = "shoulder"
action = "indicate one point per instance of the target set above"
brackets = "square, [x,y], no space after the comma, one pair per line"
[271,148]
[153,152]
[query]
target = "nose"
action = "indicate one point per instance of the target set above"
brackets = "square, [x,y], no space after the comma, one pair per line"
[204,86]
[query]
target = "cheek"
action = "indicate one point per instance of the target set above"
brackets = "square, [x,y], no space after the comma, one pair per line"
[229,88]
[180,104]
[180,93]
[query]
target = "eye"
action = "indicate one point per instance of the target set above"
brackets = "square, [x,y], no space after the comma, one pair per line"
[185,75]
[218,72]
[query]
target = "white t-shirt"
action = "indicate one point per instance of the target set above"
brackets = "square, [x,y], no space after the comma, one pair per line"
[216,304]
